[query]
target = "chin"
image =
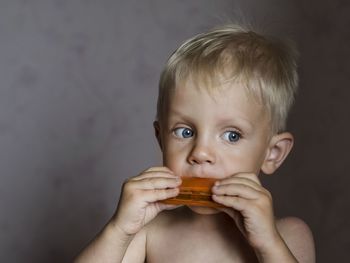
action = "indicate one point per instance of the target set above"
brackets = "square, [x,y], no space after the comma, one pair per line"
[202,210]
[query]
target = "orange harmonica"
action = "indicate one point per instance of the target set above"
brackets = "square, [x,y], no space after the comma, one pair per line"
[194,191]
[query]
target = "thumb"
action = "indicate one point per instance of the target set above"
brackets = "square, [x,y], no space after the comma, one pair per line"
[237,217]
[162,206]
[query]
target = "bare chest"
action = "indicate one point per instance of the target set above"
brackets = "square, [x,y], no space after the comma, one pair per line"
[187,243]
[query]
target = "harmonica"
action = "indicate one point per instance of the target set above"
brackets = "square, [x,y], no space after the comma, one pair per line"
[194,191]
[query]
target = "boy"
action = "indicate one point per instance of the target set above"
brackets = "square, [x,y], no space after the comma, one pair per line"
[222,108]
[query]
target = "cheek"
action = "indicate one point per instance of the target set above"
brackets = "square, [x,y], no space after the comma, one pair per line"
[175,166]
[176,158]
[173,158]
[242,160]
[256,160]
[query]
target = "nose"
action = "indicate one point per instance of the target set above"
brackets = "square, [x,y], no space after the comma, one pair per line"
[202,153]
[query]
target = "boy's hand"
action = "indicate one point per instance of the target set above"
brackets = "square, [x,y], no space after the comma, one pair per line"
[139,204]
[250,205]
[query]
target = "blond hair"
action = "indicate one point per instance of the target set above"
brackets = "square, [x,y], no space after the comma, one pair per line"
[266,66]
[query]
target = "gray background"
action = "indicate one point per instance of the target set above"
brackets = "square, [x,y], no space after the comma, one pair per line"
[77,100]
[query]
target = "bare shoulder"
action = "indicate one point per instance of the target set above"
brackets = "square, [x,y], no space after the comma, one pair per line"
[298,237]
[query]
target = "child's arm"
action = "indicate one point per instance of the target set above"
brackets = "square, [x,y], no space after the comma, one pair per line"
[138,205]
[250,205]
[109,246]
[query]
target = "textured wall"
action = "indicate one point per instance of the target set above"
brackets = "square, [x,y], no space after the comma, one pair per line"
[77,100]
[318,170]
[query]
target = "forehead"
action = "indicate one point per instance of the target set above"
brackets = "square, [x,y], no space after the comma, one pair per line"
[230,101]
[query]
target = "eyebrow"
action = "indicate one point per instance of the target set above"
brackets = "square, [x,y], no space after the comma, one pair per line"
[181,115]
[246,124]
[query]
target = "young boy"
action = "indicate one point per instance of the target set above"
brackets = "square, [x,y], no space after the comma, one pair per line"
[222,108]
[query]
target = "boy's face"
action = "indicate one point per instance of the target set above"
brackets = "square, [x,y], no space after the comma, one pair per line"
[214,135]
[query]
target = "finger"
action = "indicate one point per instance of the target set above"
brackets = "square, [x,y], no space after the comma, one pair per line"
[158,169]
[158,183]
[152,196]
[232,213]
[154,174]
[234,202]
[239,180]
[249,176]
[236,189]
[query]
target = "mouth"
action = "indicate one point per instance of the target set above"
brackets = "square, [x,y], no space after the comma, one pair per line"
[195,191]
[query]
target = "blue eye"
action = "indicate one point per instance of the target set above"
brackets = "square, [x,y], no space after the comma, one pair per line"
[183,132]
[232,136]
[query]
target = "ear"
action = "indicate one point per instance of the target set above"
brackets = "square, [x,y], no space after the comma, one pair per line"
[156,126]
[279,148]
